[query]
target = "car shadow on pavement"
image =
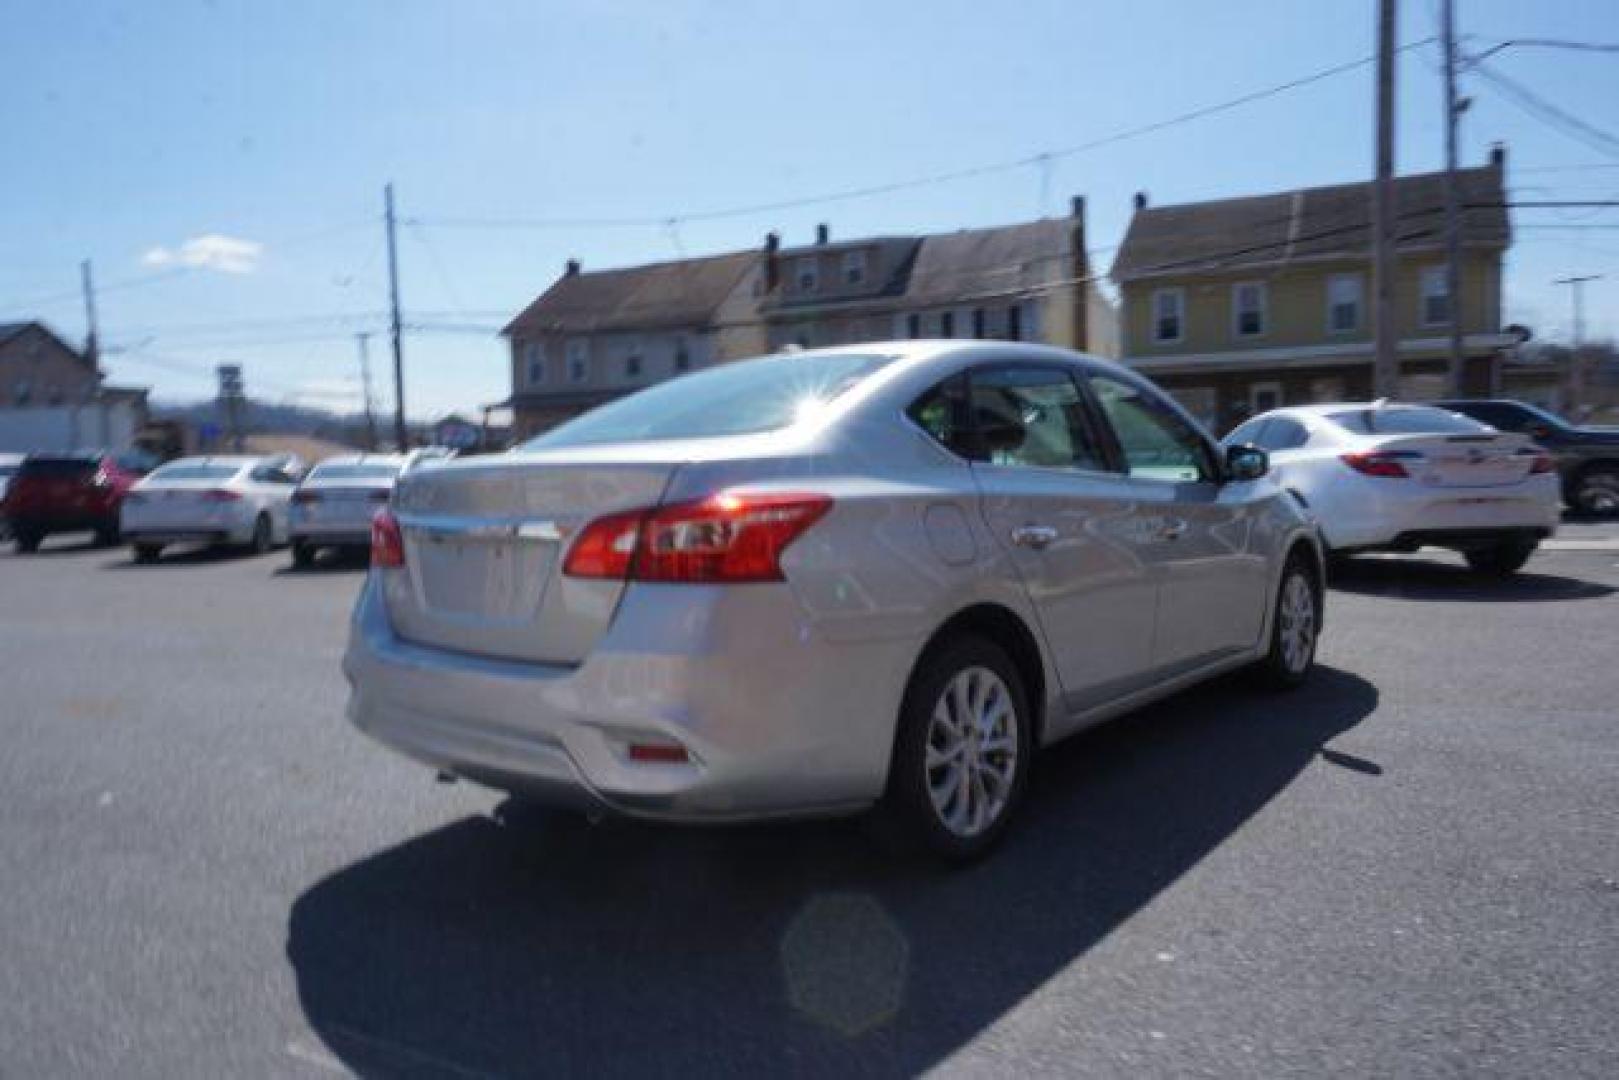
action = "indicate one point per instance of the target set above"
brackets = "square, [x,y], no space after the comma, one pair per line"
[544,945]
[327,562]
[1418,578]
[189,555]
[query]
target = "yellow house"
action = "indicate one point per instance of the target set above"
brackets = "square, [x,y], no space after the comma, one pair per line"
[1241,305]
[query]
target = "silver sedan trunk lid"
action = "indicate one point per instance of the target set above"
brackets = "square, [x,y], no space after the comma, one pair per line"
[484,543]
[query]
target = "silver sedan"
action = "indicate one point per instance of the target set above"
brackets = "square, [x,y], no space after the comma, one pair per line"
[821,582]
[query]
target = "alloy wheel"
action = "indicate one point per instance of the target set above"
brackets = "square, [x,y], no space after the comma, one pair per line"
[972,751]
[1297,630]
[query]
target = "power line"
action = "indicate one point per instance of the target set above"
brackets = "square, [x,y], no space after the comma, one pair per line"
[1546,43]
[1548,113]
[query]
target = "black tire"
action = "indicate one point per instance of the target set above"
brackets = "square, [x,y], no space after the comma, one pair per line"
[1596,492]
[303,555]
[263,535]
[26,542]
[1503,560]
[146,553]
[107,536]
[1283,667]
[908,804]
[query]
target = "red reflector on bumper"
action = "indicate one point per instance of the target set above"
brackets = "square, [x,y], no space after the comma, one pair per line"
[660,753]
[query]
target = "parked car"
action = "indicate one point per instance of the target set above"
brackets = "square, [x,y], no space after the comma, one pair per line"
[1587,457]
[1391,477]
[58,493]
[9,464]
[214,500]
[333,506]
[818,582]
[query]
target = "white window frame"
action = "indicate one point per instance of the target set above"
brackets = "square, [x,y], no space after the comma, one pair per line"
[1433,281]
[534,361]
[1177,294]
[854,267]
[578,360]
[807,269]
[1237,310]
[1358,282]
[1255,389]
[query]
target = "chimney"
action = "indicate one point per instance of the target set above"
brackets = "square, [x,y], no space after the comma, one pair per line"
[1141,200]
[1076,208]
[772,262]
[573,268]
[823,233]
[1498,156]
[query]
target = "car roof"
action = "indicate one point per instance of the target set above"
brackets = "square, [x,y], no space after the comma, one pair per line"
[361,459]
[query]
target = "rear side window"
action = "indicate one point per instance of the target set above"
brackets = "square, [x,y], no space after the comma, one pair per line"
[355,472]
[742,398]
[58,468]
[182,471]
[1284,433]
[1405,420]
[1034,417]
[942,413]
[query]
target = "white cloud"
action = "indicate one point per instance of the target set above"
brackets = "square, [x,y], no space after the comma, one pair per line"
[226,254]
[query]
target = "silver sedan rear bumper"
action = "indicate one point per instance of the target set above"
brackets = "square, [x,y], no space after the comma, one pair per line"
[776,721]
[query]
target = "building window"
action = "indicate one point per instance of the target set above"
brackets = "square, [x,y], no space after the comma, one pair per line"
[534,361]
[1435,296]
[1263,397]
[53,394]
[978,322]
[1343,303]
[854,267]
[22,391]
[632,364]
[807,274]
[1014,323]
[913,325]
[1168,316]
[947,324]
[682,356]
[1248,308]
[578,361]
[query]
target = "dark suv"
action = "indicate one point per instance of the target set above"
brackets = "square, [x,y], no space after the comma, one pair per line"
[54,493]
[1587,457]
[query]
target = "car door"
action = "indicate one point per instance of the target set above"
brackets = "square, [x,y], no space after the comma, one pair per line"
[1055,502]
[1197,530]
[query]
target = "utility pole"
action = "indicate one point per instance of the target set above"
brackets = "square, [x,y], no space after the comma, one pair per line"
[364,337]
[1456,368]
[1576,371]
[92,340]
[401,436]
[1386,359]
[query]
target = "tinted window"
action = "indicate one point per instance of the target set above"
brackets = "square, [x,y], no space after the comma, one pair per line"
[734,399]
[1250,432]
[1405,420]
[58,467]
[1284,433]
[1157,443]
[379,471]
[942,413]
[1034,417]
[182,471]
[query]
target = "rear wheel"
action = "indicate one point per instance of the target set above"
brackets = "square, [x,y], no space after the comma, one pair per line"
[303,554]
[1500,560]
[27,542]
[963,749]
[1295,626]
[107,536]
[146,553]
[1596,492]
[263,536]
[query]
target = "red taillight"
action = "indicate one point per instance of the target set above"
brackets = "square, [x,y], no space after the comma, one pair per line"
[304,498]
[387,542]
[659,753]
[221,495]
[1543,463]
[1372,463]
[724,538]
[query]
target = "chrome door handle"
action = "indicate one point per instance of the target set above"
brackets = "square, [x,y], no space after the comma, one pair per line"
[1172,530]
[1034,536]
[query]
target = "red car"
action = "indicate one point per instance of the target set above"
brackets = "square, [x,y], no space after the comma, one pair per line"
[70,493]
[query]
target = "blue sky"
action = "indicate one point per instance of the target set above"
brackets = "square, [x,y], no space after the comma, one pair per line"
[222,162]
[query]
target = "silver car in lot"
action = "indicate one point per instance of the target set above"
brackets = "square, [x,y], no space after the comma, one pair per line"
[815,583]
[334,505]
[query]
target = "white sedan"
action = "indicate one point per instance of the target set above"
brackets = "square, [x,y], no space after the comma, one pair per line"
[334,504]
[214,500]
[1388,477]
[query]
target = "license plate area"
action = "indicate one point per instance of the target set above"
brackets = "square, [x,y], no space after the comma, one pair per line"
[489,579]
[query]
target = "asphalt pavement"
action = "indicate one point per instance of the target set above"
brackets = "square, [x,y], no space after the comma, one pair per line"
[1410,867]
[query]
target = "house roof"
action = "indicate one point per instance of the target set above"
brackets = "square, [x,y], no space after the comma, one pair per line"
[897,254]
[1310,223]
[1007,259]
[12,329]
[667,295]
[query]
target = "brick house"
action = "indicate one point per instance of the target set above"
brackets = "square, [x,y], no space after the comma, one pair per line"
[1240,305]
[39,369]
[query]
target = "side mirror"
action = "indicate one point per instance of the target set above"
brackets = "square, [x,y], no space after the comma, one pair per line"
[1246,462]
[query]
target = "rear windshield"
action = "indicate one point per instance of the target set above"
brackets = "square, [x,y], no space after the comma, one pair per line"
[47,466]
[355,472]
[1406,421]
[740,398]
[183,471]
[7,469]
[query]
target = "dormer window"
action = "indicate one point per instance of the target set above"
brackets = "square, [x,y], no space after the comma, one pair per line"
[807,275]
[854,267]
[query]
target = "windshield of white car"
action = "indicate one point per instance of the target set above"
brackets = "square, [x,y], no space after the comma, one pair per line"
[179,471]
[1408,420]
[742,398]
[355,472]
